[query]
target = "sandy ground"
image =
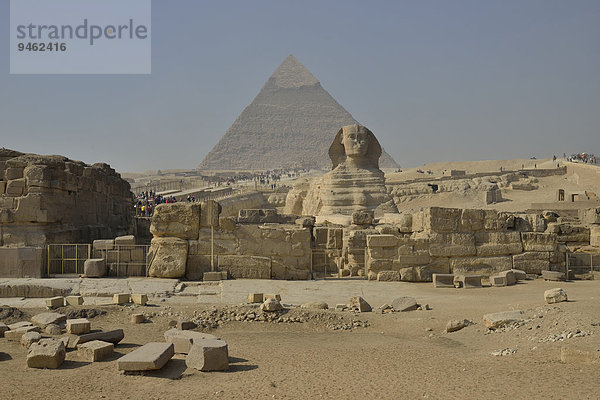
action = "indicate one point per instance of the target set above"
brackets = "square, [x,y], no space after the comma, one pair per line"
[399,355]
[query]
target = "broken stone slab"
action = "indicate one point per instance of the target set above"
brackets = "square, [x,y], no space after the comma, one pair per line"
[271,305]
[78,326]
[185,325]
[149,357]
[139,299]
[3,328]
[520,275]
[137,318]
[127,240]
[74,300]
[555,295]
[29,338]
[498,281]
[360,304]
[553,275]
[48,318]
[443,280]
[20,324]
[467,281]
[121,298]
[255,298]
[318,305]
[53,330]
[55,302]
[457,324]
[404,304]
[273,296]
[183,340]
[208,355]
[114,336]
[497,320]
[47,353]
[96,350]
[511,277]
[95,267]
[17,334]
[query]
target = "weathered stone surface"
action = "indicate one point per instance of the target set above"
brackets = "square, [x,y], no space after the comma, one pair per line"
[389,276]
[96,350]
[441,220]
[94,267]
[595,236]
[574,354]
[74,300]
[532,262]
[536,241]
[498,281]
[169,257]
[510,277]
[53,330]
[360,304]
[500,319]
[55,302]
[212,276]
[553,275]
[209,214]
[480,265]
[104,244]
[48,318]
[16,334]
[404,304]
[139,298]
[590,216]
[137,318]
[555,295]
[78,326]
[245,267]
[182,340]
[151,356]
[126,240]
[467,281]
[271,305]
[114,336]
[178,220]
[121,298]
[382,241]
[273,296]
[498,243]
[21,324]
[185,325]
[29,338]
[443,280]
[318,305]
[46,353]
[255,298]
[519,274]
[457,324]
[362,217]
[208,355]
[452,244]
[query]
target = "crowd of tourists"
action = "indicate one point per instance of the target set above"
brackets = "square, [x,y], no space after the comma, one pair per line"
[586,158]
[145,202]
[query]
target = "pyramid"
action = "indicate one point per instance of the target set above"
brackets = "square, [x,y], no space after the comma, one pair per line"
[290,123]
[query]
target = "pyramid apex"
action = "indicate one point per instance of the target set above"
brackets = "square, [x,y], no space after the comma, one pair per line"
[292,74]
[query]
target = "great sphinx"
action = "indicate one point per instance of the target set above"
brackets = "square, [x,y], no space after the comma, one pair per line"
[354,183]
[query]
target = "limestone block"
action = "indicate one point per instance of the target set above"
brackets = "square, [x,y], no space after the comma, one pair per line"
[418,222]
[532,262]
[316,305]
[388,276]
[437,219]
[169,257]
[197,266]
[321,235]
[509,277]
[467,281]
[151,356]
[21,324]
[15,187]
[212,276]
[74,300]
[360,304]
[480,265]
[255,298]
[411,260]
[271,305]
[121,298]
[273,296]
[260,216]
[573,234]
[137,318]
[383,252]
[452,244]
[334,238]
[590,216]
[456,325]
[519,274]
[55,302]
[114,336]
[536,241]
[185,325]
[555,295]
[471,220]
[500,319]
[104,244]
[78,326]
[17,334]
[404,304]
[498,243]
[362,217]
[595,236]
[382,241]
[245,267]
[47,353]
[498,281]
[177,220]
[48,318]
[96,350]
[208,355]
[29,338]
[94,267]
[553,276]
[443,280]
[128,240]
[183,340]
[139,298]
[380,265]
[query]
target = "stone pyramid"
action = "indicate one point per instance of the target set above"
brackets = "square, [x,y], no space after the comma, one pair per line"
[290,123]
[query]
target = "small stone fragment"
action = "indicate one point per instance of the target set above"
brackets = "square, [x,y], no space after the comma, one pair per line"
[457,324]
[140,299]
[47,353]
[16,334]
[208,355]
[360,304]
[55,302]
[255,298]
[137,318]
[29,338]
[78,326]
[121,298]
[184,325]
[48,318]
[183,340]
[53,330]
[74,300]
[404,304]
[96,350]
[555,295]
[318,305]
[271,305]
[273,296]
[498,320]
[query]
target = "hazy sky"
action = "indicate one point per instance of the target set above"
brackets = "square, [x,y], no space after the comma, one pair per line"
[434,80]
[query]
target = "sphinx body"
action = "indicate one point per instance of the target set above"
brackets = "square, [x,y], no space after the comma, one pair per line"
[355,182]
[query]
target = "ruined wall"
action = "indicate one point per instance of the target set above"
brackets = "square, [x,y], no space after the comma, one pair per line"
[465,241]
[52,199]
[259,244]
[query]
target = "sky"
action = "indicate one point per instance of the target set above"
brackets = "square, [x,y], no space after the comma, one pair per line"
[434,80]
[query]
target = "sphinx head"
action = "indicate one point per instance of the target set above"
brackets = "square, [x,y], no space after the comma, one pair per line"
[355,146]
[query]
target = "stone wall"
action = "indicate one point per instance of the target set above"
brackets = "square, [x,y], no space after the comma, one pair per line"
[52,199]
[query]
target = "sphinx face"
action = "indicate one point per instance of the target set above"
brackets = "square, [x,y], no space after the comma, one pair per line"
[355,141]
